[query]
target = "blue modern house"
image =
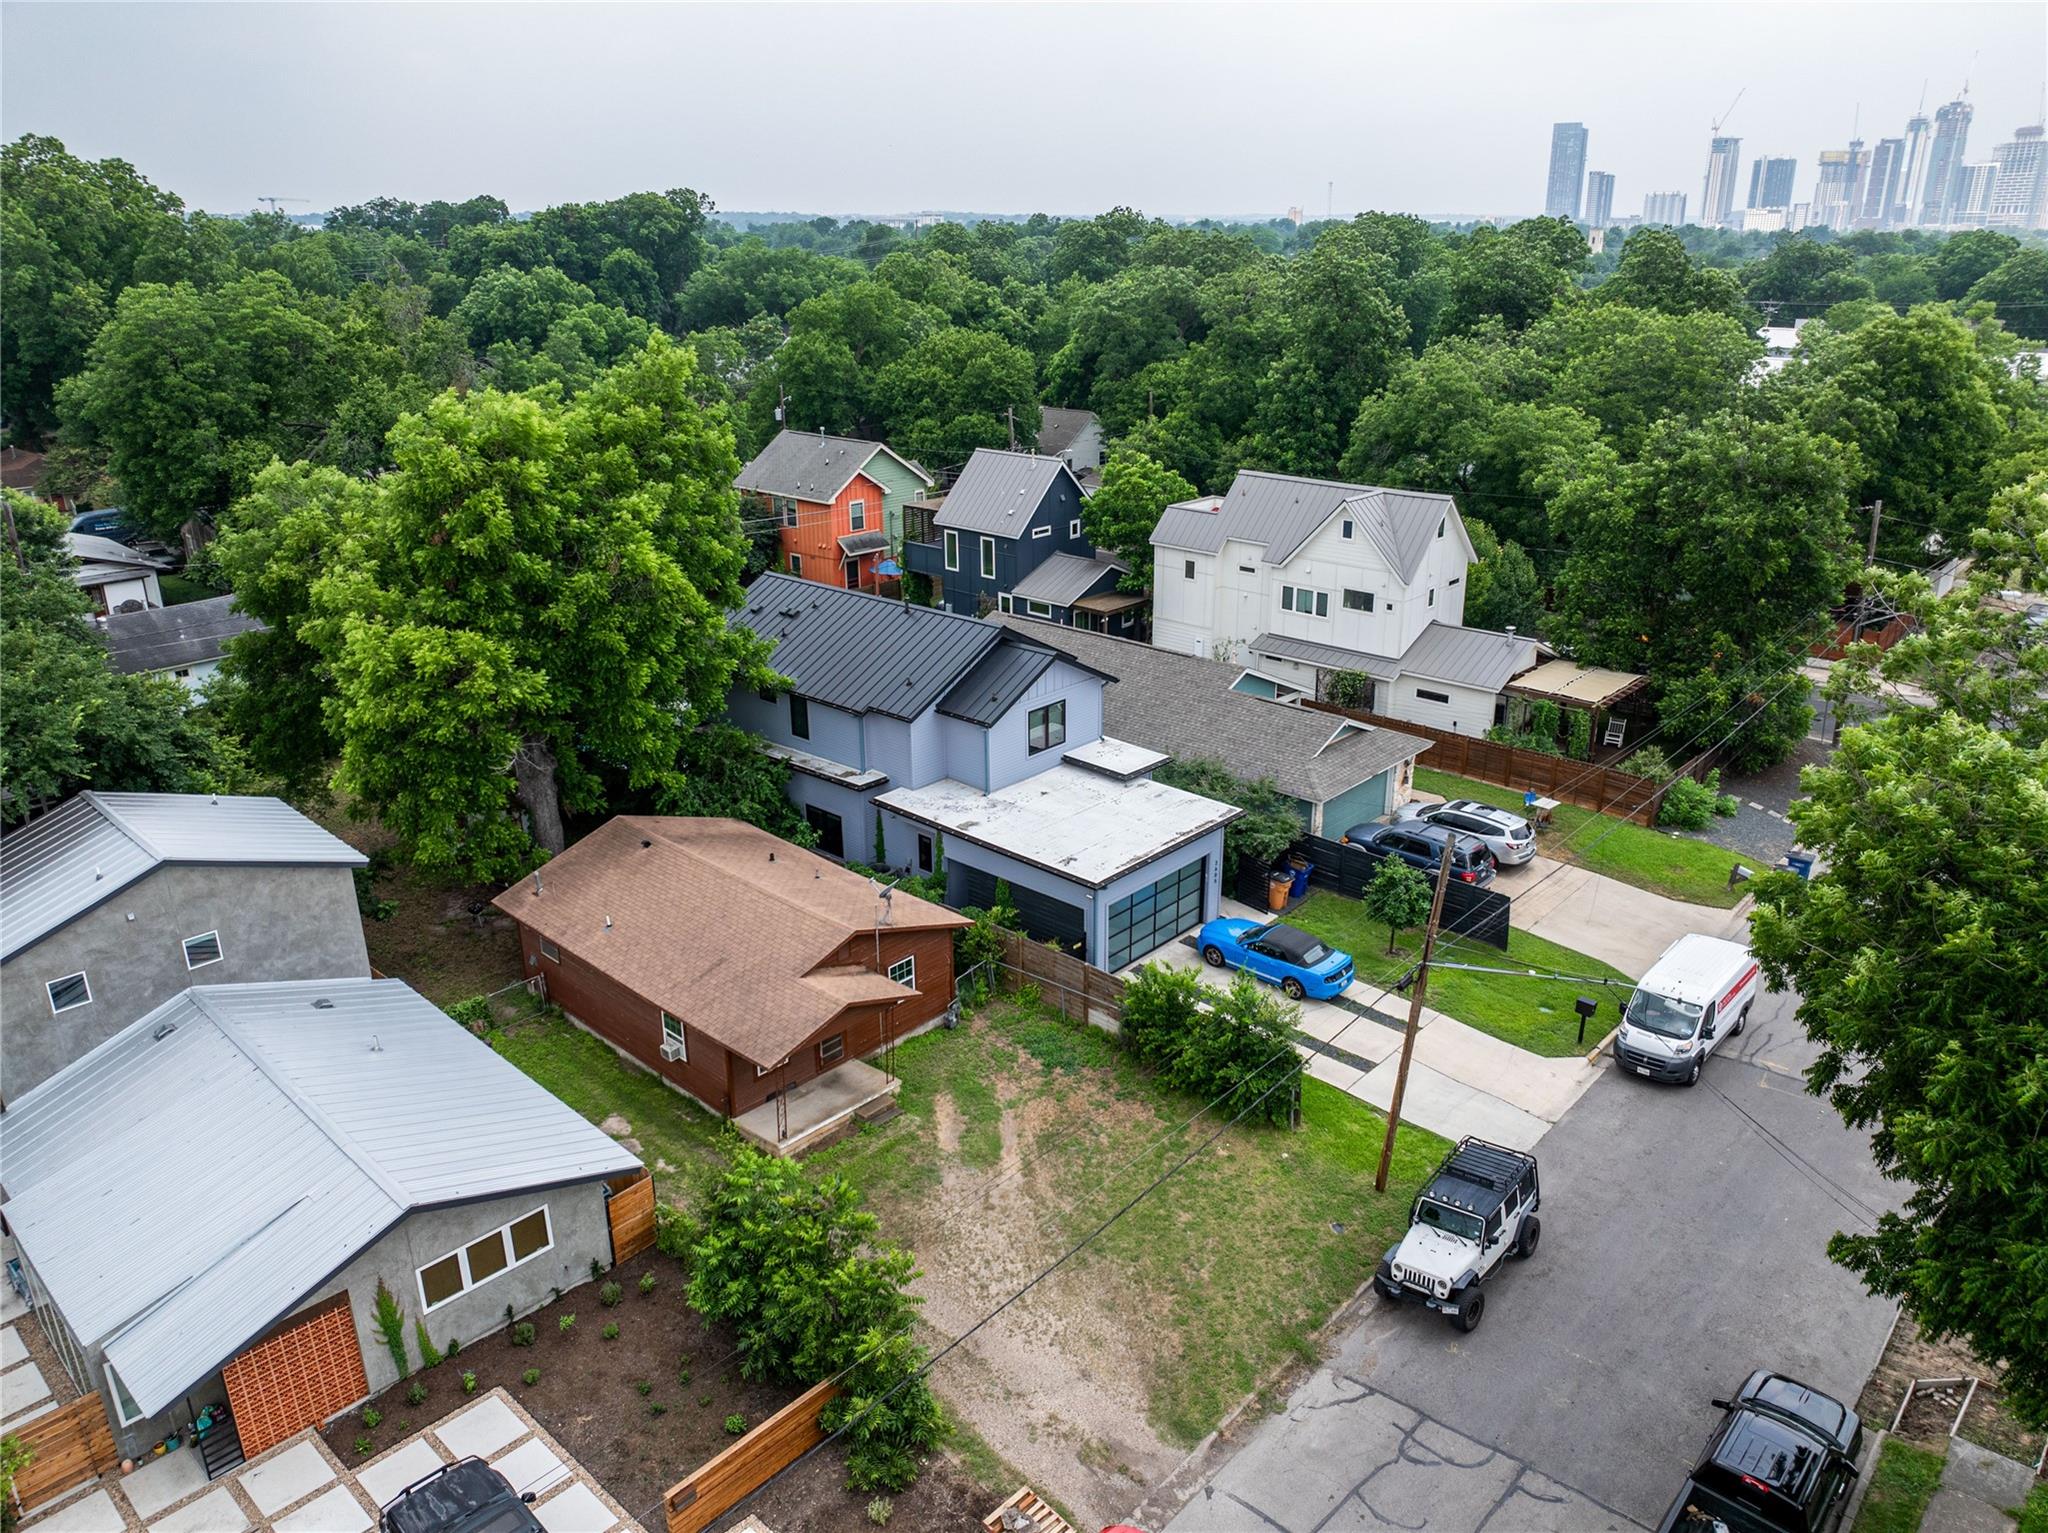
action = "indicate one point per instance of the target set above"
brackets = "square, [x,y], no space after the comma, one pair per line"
[935,729]
[1008,537]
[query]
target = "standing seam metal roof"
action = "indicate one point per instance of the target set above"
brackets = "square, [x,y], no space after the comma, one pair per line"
[859,652]
[998,491]
[1064,579]
[353,1115]
[1281,511]
[60,865]
[1464,657]
[1005,674]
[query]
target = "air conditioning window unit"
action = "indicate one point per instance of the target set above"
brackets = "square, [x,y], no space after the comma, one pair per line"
[672,1049]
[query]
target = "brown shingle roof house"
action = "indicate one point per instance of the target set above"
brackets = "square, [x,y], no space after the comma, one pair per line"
[729,962]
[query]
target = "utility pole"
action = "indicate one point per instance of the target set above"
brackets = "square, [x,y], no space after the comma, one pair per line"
[1010,415]
[1436,910]
[1876,516]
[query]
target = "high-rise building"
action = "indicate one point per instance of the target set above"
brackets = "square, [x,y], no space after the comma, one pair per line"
[1770,182]
[1970,206]
[1567,170]
[1881,186]
[1859,172]
[1913,176]
[1665,208]
[1945,162]
[1831,189]
[1717,198]
[2019,199]
[1599,199]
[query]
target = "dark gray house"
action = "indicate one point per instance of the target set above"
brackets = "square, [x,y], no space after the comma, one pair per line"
[985,547]
[112,903]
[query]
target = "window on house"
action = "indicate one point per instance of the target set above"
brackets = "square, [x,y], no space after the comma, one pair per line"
[1347,527]
[1038,608]
[1048,727]
[788,511]
[1432,596]
[484,1258]
[904,972]
[1003,602]
[1322,604]
[796,564]
[924,853]
[1455,579]
[1187,569]
[952,549]
[182,672]
[1041,532]
[125,1408]
[830,828]
[1357,601]
[1074,528]
[1442,522]
[1287,598]
[832,1050]
[857,515]
[1246,569]
[202,950]
[1432,697]
[799,717]
[72,990]
[988,558]
[672,1032]
[549,951]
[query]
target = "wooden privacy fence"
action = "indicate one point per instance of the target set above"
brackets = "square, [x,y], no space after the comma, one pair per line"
[629,1205]
[696,1501]
[1073,987]
[72,1444]
[1607,789]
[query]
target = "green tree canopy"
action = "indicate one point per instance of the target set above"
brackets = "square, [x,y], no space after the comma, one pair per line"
[1657,273]
[1125,508]
[947,395]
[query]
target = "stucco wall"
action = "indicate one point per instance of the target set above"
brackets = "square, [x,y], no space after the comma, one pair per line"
[275,923]
[1010,758]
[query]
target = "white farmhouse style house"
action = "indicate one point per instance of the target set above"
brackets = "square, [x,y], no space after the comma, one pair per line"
[1298,578]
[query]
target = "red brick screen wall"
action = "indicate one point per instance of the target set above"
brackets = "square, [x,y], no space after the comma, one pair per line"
[297,1378]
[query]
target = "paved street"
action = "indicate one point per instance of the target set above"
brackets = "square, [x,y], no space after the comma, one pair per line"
[1683,1243]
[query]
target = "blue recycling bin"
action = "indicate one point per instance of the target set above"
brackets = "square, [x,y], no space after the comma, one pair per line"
[1800,863]
[1300,885]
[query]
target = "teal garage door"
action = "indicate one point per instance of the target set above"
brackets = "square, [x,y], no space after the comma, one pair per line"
[1157,913]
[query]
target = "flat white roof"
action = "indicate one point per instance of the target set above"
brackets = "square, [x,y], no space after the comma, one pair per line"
[1117,758]
[1068,820]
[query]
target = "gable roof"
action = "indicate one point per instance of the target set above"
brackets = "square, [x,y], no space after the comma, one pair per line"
[20,468]
[61,864]
[1184,705]
[357,1111]
[755,979]
[998,491]
[1464,657]
[1064,579]
[91,550]
[1281,511]
[808,465]
[1059,428]
[167,638]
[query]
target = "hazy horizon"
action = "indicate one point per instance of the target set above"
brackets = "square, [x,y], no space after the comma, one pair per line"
[1182,111]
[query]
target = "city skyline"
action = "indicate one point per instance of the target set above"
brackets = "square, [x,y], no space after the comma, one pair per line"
[226,105]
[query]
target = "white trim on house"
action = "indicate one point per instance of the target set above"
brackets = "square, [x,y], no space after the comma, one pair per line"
[460,1256]
[952,550]
[126,1411]
[909,975]
[218,953]
[988,558]
[672,1032]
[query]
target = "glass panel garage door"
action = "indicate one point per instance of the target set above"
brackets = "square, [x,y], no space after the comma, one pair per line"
[1157,913]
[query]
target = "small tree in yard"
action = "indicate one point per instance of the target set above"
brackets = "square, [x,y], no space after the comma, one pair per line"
[1160,1005]
[1268,826]
[796,1267]
[1397,895]
[1235,1050]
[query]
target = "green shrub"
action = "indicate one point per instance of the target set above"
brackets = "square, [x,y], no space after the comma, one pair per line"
[657,1409]
[880,1510]
[523,1334]
[473,1012]
[609,1295]
[674,1231]
[683,1373]
[430,1355]
[364,1447]
[596,1269]
[1690,805]
[610,1331]
[566,1324]
[417,1395]
[530,1378]
[1236,1050]
[646,1284]
[1348,689]
[1651,762]
[391,1325]
[1524,740]
[887,1413]
[735,1424]
[1269,825]
[646,1388]
[1579,728]
[1160,1005]
[454,1345]
[371,1416]
[468,1383]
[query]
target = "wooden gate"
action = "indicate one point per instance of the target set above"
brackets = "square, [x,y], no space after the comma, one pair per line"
[630,1207]
[72,1444]
[297,1378]
[694,1503]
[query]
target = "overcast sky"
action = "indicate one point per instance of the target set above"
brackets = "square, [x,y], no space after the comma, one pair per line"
[1069,108]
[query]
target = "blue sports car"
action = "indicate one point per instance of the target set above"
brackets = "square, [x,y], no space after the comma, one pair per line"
[1279,954]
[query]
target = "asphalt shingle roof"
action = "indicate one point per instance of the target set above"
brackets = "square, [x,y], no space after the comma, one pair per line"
[1183,705]
[997,491]
[1280,512]
[1058,427]
[806,465]
[168,638]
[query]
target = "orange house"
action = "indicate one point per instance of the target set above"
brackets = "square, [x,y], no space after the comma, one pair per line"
[834,501]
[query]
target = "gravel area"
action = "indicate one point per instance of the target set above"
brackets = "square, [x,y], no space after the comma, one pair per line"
[1759,827]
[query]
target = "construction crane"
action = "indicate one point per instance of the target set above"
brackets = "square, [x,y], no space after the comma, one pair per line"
[274,201]
[1718,121]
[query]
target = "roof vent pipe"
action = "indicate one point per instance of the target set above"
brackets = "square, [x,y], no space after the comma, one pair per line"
[536,880]
[607,923]
[376,1044]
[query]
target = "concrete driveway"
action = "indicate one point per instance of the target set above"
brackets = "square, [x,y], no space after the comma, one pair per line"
[1684,1236]
[1613,921]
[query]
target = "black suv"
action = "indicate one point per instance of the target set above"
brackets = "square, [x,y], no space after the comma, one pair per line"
[467,1496]
[1783,1460]
[1419,843]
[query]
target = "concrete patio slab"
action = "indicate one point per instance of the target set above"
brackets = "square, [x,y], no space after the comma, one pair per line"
[397,1469]
[530,1467]
[21,1387]
[1991,1477]
[95,1513]
[818,1109]
[28,1413]
[286,1478]
[481,1429]
[337,1511]
[12,1348]
[163,1482]
[575,1510]
[215,1512]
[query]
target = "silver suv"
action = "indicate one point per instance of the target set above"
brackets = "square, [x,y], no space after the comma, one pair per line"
[1510,838]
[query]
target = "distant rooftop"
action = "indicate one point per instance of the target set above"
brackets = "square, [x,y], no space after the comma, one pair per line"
[170,638]
[1281,511]
[808,465]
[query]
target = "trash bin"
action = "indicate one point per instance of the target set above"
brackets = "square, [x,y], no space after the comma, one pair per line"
[1278,886]
[1300,885]
[1800,863]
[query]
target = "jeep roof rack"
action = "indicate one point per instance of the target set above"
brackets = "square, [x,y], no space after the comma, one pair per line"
[1478,1175]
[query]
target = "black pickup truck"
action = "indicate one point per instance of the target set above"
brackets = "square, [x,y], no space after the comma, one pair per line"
[1782,1460]
[467,1496]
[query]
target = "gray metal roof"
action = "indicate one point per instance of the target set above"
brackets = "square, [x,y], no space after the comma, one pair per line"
[90,549]
[1280,512]
[998,491]
[168,638]
[1005,674]
[863,653]
[61,864]
[1464,657]
[1183,705]
[1064,579]
[347,1117]
[1059,427]
[808,465]
[853,544]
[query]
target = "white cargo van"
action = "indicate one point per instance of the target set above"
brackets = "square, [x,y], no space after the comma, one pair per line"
[1698,993]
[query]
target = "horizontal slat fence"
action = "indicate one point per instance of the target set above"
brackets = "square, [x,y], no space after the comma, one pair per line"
[695,1502]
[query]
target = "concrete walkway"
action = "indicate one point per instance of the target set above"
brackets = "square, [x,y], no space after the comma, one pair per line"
[1605,918]
[1978,1487]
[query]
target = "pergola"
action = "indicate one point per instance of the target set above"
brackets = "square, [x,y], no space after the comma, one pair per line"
[1585,687]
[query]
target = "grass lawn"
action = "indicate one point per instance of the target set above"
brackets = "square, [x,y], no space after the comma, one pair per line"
[178,590]
[1534,1014]
[2033,1517]
[1216,1278]
[1901,1485]
[1675,865]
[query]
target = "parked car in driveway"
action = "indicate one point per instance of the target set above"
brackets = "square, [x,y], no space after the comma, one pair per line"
[1698,993]
[467,1496]
[1510,838]
[1782,1460]
[1420,844]
[1279,954]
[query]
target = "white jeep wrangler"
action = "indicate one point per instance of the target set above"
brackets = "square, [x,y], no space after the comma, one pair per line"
[1477,1211]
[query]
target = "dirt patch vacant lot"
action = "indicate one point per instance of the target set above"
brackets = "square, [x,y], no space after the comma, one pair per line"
[1928,1419]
